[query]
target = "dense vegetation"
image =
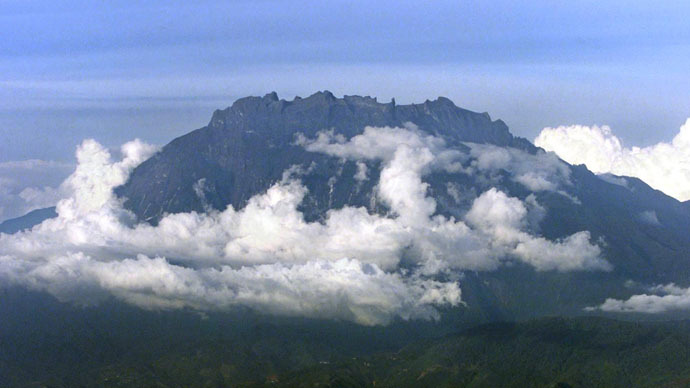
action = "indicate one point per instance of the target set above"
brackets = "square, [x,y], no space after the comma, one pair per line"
[550,352]
[48,344]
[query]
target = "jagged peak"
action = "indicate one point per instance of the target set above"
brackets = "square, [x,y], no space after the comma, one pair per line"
[444,101]
[328,97]
[272,96]
[438,116]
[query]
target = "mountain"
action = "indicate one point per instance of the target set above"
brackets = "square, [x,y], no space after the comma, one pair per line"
[246,148]
[192,331]
[27,221]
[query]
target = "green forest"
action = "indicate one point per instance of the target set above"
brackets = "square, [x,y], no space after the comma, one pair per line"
[44,343]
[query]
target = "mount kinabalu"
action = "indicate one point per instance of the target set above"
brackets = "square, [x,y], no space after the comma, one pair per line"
[263,156]
[247,147]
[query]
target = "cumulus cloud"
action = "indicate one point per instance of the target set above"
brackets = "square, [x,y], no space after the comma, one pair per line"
[343,289]
[664,166]
[503,219]
[353,265]
[662,298]
[264,256]
[494,227]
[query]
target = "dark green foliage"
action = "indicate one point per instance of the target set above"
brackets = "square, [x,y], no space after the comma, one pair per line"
[551,352]
[47,343]
[43,340]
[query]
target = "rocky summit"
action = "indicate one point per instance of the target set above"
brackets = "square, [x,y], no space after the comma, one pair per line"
[246,147]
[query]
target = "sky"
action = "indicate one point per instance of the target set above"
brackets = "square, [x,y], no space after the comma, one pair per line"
[118,70]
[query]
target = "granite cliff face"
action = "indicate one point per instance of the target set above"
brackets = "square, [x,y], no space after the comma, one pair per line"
[246,147]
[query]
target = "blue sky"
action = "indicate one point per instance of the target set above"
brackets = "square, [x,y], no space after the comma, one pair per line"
[115,70]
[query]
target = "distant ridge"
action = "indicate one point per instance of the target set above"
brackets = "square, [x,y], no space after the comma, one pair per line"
[27,221]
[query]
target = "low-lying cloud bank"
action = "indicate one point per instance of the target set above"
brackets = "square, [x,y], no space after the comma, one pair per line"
[664,166]
[354,265]
[661,299]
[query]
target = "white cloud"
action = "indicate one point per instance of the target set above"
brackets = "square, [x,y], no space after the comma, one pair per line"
[498,220]
[361,174]
[649,216]
[266,256]
[382,144]
[540,172]
[342,289]
[33,164]
[503,219]
[664,166]
[614,180]
[671,298]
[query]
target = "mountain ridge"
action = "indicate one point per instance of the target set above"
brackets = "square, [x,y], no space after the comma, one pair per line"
[27,221]
[255,126]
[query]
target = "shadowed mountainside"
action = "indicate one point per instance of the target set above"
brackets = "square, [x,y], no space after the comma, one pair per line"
[246,147]
[27,221]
